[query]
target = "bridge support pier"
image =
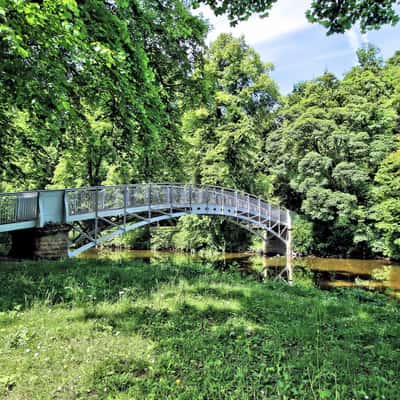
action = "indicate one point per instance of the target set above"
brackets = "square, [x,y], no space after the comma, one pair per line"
[265,243]
[289,266]
[49,242]
[272,246]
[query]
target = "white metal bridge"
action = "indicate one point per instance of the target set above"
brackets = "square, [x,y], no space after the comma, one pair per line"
[97,214]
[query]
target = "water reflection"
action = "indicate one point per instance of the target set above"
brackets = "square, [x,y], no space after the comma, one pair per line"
[326,273]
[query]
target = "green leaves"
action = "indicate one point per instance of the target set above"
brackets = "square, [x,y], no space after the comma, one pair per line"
[225,132]
[386,211]
[340,16]
[325,205]
[331,140]
[64,61]
[238,10]
[335,16]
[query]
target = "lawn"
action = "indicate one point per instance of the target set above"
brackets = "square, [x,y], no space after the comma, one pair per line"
[104,329]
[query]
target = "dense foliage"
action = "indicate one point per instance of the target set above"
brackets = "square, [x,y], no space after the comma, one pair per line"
[92,91]
[224,135]
[340,15]
[318,151]
[103,92]
[226,131]
[386,210]
[333,137]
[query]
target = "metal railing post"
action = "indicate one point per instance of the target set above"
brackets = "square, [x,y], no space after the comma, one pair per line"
[125,204]
[259,211]
[190,197]
[248,205]
[96,221]
[169,198]
[66,205]
[269,214]
[75,203]
[279,220]
[149,200]
[236,202]
[289,248]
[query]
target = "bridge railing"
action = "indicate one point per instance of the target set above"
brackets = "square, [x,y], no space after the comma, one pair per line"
[103,198]
[18,207]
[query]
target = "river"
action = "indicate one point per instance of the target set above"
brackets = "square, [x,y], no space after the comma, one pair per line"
[324,273]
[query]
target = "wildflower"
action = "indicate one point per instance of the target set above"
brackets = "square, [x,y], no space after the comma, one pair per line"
[178,381]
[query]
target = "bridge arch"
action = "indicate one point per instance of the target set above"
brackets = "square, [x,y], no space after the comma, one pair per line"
[120,229]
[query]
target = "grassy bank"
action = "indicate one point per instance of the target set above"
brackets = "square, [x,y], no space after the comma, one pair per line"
[91,329]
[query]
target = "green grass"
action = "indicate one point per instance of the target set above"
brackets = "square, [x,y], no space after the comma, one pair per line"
[98,329]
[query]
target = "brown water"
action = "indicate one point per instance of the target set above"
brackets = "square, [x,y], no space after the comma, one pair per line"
[326,273]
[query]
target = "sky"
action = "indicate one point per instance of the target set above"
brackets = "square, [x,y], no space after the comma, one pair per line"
[300,50]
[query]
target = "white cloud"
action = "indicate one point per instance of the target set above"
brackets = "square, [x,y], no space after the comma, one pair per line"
[286,16]
[356,38]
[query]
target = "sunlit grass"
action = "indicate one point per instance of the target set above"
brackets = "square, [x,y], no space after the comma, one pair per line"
[90,329]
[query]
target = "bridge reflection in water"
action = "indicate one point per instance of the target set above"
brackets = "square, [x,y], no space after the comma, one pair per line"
[94,215]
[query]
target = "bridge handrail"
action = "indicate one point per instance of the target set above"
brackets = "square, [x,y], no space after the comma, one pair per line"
[18,193]
[147,190]
[23,206]
[18,207]
[180,184]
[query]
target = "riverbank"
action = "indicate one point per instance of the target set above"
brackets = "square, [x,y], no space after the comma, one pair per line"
[124,329]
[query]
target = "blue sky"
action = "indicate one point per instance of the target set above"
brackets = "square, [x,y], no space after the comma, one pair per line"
[300,50]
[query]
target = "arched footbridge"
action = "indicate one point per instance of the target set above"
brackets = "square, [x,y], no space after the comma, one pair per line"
[92,215]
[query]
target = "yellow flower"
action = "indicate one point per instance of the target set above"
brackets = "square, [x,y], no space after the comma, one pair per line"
[178,381]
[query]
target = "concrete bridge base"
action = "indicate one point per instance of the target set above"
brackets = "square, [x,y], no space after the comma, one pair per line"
[49,242]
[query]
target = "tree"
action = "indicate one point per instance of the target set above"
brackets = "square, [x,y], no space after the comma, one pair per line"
[34,83]
[340,15]
[335,15]
[332,138]
[127,63]
[386,211]
[224,133]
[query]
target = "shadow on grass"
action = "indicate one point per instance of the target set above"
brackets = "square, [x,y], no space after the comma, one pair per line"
[260,344]
[79,281]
